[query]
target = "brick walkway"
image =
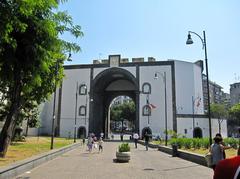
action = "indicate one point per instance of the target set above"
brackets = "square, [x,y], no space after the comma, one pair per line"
[143,165]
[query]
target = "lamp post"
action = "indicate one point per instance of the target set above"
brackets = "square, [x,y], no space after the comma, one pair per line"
[75,119]
[149,110]
[54,104]
[54,98]
[86,93]
[165,101]
[193,111]
[204,43]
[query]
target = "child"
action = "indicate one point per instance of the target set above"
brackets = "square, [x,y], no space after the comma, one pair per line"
[90,143]
[100,144]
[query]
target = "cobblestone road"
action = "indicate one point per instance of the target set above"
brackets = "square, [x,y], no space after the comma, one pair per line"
[80,164]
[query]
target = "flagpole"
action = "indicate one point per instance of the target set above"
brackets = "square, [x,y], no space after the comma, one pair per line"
[193,101]
[163,75]
[149,109]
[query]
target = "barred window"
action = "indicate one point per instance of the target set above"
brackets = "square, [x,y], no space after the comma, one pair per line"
[146,111]
[82,111]
[82,89]
[146,88]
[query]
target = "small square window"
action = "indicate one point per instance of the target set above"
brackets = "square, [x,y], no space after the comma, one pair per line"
[82,89]
[146,110]
[146,88]
[82,111]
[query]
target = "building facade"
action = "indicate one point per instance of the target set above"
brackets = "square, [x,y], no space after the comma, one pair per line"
[235,93]
[84,98]
[215,93]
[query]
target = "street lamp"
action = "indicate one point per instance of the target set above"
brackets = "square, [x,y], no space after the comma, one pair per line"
[75,121]
[86,93]
[193,111]
[149,111]
[189,42]
[165,100]
[54,104]
[54,98]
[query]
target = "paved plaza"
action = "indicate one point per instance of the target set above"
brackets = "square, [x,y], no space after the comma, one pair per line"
[80,164]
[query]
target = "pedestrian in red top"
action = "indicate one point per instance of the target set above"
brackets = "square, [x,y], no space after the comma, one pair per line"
[228,169]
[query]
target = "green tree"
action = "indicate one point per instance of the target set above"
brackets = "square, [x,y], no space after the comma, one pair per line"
[218,111]
[31,56]
[128,110]
[235,114]
[123,111]
[31,113]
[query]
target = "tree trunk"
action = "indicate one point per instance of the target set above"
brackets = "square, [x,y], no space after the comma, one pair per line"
[220,129]
[7,132]
[27,127]
[219,126]
[9,125]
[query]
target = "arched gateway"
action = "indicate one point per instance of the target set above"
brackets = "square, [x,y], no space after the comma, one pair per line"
[161,91]
[107,85]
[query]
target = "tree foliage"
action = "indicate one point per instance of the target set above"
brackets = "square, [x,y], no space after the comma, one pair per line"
[123,111]
[218,111]
[235,112]
[31,56]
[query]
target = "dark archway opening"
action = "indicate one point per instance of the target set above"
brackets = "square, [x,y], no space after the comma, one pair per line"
[106,86]
[81,133]
[197,132]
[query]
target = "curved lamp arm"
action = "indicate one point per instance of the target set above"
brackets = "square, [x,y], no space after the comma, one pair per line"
[203,41]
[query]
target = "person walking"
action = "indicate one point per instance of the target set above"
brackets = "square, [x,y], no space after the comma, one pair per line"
[146,137]
[135,137]
[121,136]
[216,150]
[90,143]
[100,145]
[101,135]
[223,145]
[228,168]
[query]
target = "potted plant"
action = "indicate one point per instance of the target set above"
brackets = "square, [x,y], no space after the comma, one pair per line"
[123,153]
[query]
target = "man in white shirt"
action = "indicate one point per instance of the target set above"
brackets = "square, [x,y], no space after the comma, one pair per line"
[135,137]
[101,135]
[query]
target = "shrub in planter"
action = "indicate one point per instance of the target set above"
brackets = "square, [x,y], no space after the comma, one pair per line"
[124,147]
[196,143]
[205,143]
[176,141]
[232,142]
[172,141]
[187,143]
[123,153]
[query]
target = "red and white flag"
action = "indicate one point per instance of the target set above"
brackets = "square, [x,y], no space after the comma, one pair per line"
[198,102]
[151,106]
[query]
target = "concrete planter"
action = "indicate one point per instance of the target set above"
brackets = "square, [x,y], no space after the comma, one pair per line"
[123,156]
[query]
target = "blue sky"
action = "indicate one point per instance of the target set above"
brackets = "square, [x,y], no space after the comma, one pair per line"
[159,28]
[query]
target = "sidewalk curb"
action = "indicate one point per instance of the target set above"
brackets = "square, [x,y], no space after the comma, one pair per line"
[192,157]
[30,163]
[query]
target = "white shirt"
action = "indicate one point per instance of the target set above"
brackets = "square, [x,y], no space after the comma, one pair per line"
[136,136]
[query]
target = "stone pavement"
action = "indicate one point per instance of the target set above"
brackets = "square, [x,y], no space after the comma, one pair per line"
[80,164]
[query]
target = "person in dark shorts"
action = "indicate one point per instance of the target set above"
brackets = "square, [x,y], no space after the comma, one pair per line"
[146,137]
